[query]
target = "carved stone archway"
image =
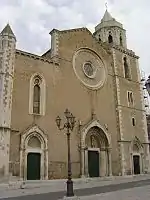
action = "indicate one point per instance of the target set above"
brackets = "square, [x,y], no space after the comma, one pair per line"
[137,151]
[34,140]
[101,143]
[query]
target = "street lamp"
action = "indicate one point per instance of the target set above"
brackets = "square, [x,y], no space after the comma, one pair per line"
[68,125]
[147,85]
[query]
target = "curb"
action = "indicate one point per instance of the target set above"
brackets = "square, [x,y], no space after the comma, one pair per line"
[14,185]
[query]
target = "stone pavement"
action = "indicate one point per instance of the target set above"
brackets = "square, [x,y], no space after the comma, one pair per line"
[139,193]
[59,186]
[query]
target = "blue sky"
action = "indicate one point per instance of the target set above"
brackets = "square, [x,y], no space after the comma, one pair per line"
[32,20]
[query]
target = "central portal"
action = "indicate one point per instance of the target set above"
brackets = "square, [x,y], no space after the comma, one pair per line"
[33,166]
[96,153]
[93,163]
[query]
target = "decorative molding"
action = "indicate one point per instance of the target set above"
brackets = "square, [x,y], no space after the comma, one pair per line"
[35,131]
[36,57]
[104,153]
[137,141]
[125,141]
[101,74]
[83,29]
[34,128]
[87,127]
[125,51]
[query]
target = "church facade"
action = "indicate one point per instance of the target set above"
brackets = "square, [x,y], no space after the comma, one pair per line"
[97,78]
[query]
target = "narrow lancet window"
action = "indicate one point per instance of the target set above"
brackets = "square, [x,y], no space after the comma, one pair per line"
[36,96]
[126,68]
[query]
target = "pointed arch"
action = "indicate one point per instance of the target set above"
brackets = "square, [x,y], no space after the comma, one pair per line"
[137,145]
[37,95]
[34,140]
[95,123]
[95,139]
[137,159]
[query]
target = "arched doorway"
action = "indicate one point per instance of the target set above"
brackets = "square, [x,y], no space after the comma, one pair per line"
[137,159]
[95,152]
[34,159]
[92,143]
[34,154]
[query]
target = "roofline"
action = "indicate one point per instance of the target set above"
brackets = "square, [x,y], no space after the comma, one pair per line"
[126,51]
[46,52]
[36,57]
[71,30]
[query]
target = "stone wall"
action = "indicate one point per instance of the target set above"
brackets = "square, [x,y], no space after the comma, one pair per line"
[58,170]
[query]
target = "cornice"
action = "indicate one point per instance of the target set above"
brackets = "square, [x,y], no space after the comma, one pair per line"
[35,57]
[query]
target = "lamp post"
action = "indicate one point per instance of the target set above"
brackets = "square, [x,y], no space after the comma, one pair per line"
[68,125]
[147,85]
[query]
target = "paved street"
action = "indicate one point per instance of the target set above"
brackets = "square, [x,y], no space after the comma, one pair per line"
[137,193]
[121,191]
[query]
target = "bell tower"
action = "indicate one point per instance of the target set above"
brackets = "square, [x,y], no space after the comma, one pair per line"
[110,31]
[7,58]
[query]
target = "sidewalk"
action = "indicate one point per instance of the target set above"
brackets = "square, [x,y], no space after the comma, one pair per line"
[60,184]
[39,187]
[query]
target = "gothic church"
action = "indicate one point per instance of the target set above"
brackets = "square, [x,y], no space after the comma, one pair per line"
[97,78]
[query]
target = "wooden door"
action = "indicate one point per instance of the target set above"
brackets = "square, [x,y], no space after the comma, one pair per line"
[93,163]
[136,164]
[33,166]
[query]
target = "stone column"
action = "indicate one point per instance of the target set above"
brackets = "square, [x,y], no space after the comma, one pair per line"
[123,159]
[146,159]
[42,165]
[109,162]
[21,163]
[102,162]
[82,162]
[25,165]
[141,163]
[46,165]
[86,163]
[131,163]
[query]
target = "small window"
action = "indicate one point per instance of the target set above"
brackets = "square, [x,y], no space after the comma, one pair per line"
[121,44]
[130,97]
[126,68]
[110,38]
[99,38]
[133,121]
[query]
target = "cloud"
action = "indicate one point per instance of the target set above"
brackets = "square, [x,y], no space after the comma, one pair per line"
[32,20]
